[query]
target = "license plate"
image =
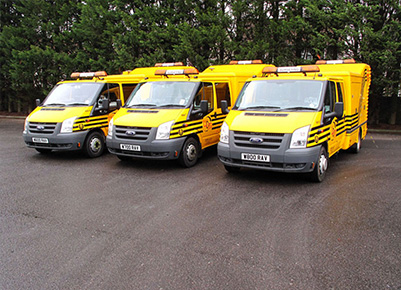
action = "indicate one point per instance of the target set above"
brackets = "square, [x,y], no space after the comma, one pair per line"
[130,147]
[255,157]
[40,140]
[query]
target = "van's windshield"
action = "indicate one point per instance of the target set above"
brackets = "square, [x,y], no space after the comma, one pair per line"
[73,94]
[162,94]
[280,95]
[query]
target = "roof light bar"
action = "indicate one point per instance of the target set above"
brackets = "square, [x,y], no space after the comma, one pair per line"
[255,61]
[336,61]
[77,75]
[164,64]
[188,71]
[290,69]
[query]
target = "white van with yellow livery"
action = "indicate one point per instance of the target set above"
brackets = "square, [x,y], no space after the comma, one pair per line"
[178,116]
[294,118]
[75,114]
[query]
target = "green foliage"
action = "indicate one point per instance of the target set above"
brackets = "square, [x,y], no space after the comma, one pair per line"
[43,41]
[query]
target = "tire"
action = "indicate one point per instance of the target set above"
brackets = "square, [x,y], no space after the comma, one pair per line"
[189,153]
[357,146]
[94,145]
[232,169]
[322,164]
[43,151]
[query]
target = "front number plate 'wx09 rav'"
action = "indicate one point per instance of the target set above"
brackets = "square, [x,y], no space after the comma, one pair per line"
[255,157]
[130,147]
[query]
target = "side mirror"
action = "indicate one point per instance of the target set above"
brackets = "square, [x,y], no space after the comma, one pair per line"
[105,104]
[339,109]
[37,102]
[204,106]
[118,104]
[224,107]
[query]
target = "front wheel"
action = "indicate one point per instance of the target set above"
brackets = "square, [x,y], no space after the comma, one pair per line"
[94,145]
[189,153]
[319,172]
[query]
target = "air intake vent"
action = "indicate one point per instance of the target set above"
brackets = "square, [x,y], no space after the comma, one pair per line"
[266,114]
[143,111]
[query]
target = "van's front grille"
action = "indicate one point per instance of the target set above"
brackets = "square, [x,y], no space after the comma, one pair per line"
[258,140]
[133,133]
[41,128]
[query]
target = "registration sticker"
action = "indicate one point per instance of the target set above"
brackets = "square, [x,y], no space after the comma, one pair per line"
[40,140]
[255,157]
[130,147]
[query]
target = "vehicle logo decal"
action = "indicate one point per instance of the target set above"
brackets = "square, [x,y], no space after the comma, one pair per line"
[256,140]
[130,132]
[40,128]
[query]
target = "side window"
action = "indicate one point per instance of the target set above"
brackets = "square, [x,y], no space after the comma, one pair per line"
[223,93]
[127,90]
[205,92]
[339,92]
[330,97]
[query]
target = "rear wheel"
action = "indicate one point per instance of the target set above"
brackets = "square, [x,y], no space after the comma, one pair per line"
[319,172]
[94,145]
[43,151]
[190,152]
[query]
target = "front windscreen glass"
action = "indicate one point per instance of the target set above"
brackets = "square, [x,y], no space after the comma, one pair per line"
[162,94]
[280,95]
[73,94]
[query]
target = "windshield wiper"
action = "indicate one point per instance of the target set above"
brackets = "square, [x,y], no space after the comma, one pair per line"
[142,105]
[170,105]
[298,108]
[54,105]
[259,107]
[77,104]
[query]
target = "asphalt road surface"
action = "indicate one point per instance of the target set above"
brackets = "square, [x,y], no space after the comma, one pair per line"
[68,222]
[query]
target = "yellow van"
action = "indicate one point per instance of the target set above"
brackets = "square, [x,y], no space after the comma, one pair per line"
[75,114]
[294,118]
[178,116]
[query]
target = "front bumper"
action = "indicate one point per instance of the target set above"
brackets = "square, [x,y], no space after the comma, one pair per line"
[282,159]
[56,141]
[149,149]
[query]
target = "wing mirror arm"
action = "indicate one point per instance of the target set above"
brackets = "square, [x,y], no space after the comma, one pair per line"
[203,108]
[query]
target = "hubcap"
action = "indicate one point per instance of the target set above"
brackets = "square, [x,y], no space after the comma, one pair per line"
[95,144]
[191,152]
[322,164]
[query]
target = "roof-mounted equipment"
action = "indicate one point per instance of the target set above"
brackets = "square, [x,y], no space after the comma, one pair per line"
[83,75]
[255,61]
[336,61]
[165,64]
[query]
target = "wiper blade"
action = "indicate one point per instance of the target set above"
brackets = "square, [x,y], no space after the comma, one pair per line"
[54,104]
[259,107]
[142,105]
[298,108]
[77,104]
[170,105]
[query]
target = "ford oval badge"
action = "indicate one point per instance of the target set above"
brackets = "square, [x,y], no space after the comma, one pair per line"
[130,132]
[40,128]
[256,140]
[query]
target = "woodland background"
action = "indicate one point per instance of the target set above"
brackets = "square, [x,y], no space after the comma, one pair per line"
[43,41]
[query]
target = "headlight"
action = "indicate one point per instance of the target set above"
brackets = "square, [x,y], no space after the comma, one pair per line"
[163,131]
[66,126]
[26,125]
[224,133]
[299,138]
[110,130]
